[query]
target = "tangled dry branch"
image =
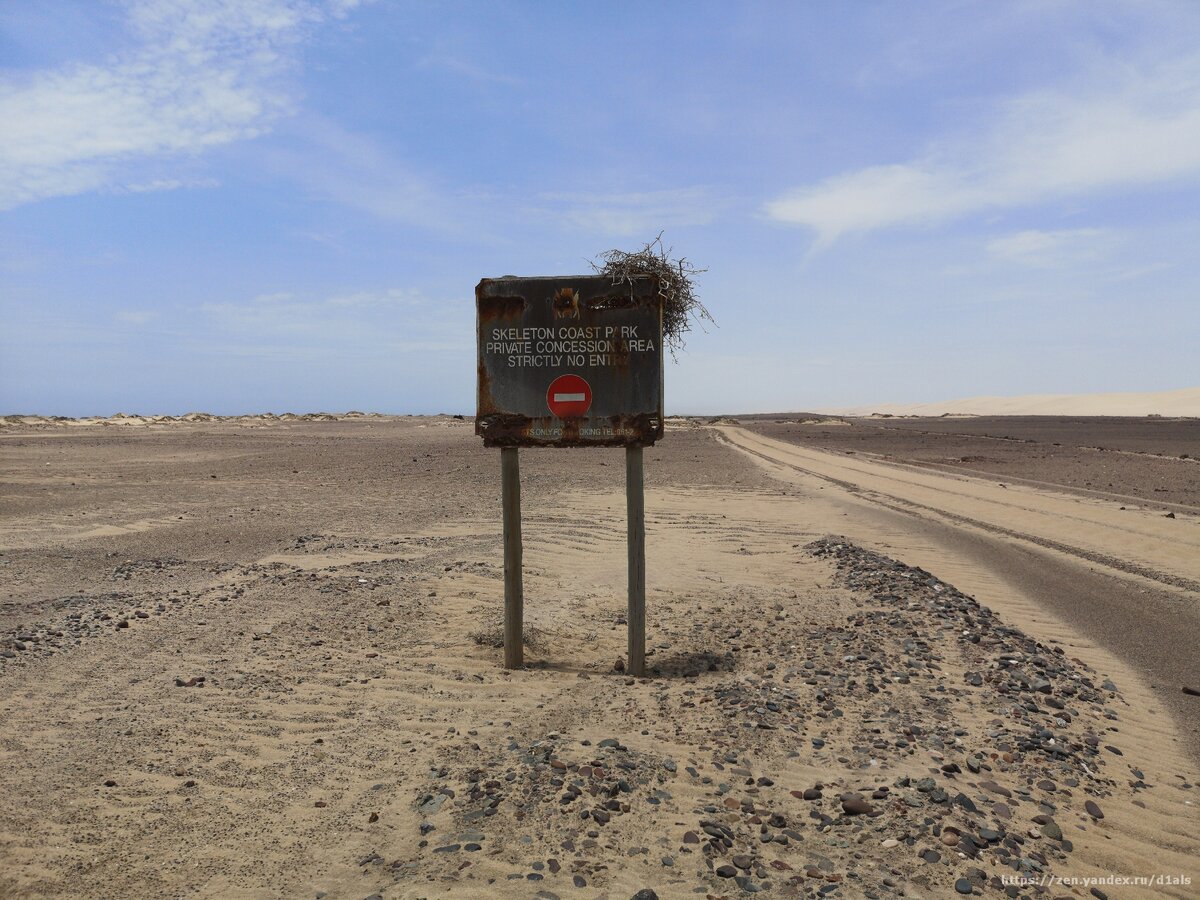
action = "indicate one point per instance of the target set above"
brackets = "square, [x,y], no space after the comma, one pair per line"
[676,284]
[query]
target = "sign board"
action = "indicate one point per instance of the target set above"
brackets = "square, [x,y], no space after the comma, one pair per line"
[569,361]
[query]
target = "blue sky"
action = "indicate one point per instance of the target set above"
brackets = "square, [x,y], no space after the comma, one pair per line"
[273,205]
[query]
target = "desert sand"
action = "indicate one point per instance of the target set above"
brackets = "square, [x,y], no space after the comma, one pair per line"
[258,657]
[1182,402]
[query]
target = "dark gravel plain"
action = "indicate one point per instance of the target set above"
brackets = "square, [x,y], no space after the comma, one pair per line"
[1156,460]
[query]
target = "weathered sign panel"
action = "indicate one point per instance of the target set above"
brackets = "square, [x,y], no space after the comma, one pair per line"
[568,361]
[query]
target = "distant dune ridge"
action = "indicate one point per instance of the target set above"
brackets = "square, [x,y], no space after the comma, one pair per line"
[1182,402]
[130,419]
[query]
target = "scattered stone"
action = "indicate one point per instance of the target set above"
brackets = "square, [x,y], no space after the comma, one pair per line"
[857,806]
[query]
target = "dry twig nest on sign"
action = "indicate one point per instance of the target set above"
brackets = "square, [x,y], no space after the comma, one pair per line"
[676,285]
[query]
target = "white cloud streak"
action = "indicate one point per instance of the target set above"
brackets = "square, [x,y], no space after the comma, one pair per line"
[360,322]
[199,75]
[1045,249]
[457,66]
[359,172]
[636,213]
[1126,129]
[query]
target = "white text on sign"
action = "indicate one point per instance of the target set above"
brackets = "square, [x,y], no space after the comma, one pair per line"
[567,345]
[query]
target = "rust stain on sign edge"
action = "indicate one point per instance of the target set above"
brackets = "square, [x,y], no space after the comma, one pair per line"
[640,430]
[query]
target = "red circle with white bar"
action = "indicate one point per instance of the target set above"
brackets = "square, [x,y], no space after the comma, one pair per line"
[569,396]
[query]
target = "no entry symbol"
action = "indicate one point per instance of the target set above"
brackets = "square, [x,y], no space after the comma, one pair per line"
[569,396]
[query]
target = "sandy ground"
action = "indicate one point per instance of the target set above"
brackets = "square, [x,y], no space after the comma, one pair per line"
[257,660]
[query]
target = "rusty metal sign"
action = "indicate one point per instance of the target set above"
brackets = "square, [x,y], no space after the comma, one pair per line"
[569,361]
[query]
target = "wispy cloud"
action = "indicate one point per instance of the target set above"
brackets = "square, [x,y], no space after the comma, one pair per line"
[1127,128]
[198,75]
[168,184]
[471,71]
[636,213]
[1043,249]
[358,322]
[359,172]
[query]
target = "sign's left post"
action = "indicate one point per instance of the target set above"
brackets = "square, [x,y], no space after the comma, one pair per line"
[514,601]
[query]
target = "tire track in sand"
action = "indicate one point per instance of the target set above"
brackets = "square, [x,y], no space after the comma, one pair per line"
[1166,551]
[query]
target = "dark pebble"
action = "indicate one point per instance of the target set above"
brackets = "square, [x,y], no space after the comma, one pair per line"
[857,806]
[995,788]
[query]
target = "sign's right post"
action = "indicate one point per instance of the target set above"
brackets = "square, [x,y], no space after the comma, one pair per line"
[514,598]
[636,512]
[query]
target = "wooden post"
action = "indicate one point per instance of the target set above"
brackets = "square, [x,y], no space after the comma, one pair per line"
[514,601]
[636,512]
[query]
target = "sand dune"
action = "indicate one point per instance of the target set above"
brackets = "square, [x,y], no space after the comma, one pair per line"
[1182,402]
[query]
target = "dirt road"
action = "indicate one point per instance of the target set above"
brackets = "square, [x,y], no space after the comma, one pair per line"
[1125,576]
